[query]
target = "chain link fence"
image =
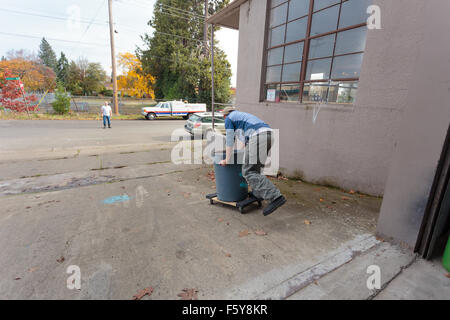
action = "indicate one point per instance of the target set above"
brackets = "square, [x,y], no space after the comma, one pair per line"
[93,104]
[86,104]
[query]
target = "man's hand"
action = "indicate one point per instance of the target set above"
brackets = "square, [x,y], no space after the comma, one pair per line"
[228,153]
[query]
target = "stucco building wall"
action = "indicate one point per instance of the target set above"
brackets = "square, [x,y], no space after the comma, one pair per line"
[348,146]
[422,129]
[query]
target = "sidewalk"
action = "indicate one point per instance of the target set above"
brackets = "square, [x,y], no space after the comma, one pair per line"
[423,280]
[403,277]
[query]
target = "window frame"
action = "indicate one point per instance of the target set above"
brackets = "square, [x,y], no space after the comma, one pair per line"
[306,46]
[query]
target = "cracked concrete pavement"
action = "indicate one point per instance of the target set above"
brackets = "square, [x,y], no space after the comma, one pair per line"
[55,178]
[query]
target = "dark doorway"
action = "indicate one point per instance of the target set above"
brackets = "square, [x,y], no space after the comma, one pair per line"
[435,227]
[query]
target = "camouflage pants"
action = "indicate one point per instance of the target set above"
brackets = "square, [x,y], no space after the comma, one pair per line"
[256,152]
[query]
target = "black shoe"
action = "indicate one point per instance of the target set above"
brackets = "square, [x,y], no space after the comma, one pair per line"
[274,205]
[109,127]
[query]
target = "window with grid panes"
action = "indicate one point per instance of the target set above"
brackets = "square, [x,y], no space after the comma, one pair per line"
[315,50]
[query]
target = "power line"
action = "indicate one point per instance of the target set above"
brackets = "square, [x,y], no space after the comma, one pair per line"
[49,17]
[89,43]
[92,20]
[167,34]
[179,10]
[146,5]
[51,39]
[170,7]
[172,11]
[86,43]
[180,14]
[176,15]
[181,17]
[182,11]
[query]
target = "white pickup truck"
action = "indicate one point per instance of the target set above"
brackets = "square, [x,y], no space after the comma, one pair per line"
[172,109]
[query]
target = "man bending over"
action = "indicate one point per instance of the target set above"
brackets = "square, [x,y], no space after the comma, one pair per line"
[257,136]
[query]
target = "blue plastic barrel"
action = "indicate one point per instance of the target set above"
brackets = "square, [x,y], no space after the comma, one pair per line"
[230,185]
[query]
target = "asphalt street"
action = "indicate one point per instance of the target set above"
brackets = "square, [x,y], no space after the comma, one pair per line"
[46,138]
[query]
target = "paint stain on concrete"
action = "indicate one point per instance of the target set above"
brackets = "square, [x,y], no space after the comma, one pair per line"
[116,199]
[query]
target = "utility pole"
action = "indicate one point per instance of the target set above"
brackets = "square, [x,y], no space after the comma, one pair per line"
[113,59]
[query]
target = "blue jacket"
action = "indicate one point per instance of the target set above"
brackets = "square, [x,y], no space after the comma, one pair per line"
[243,125]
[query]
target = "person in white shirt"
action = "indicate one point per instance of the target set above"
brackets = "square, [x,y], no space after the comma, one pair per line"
[106,113]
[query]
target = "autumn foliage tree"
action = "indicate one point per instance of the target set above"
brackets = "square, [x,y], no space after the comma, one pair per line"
[134,83]
[35,76]
[12,94]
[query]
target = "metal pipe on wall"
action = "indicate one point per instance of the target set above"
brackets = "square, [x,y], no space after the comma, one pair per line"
[212,74]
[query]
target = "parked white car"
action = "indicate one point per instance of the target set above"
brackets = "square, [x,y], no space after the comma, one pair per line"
[172,109]
[201,124]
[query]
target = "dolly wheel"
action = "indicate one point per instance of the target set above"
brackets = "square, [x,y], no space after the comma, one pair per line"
[259,204]
[211,201]
[241,210]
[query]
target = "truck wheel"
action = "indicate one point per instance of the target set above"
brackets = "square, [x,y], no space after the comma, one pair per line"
[150,116]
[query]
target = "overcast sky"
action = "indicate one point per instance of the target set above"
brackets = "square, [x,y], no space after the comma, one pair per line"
[36,19]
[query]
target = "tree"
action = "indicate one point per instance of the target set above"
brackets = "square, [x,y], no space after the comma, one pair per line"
[21,54]
[85,78]
[134,83]
[47,55]
[12,94]
[62,69]
[35,76]
[61,104]
[94,79]
[73,79]
[174,53]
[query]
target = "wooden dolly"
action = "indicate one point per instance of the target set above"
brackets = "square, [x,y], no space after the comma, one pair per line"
[241,205]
